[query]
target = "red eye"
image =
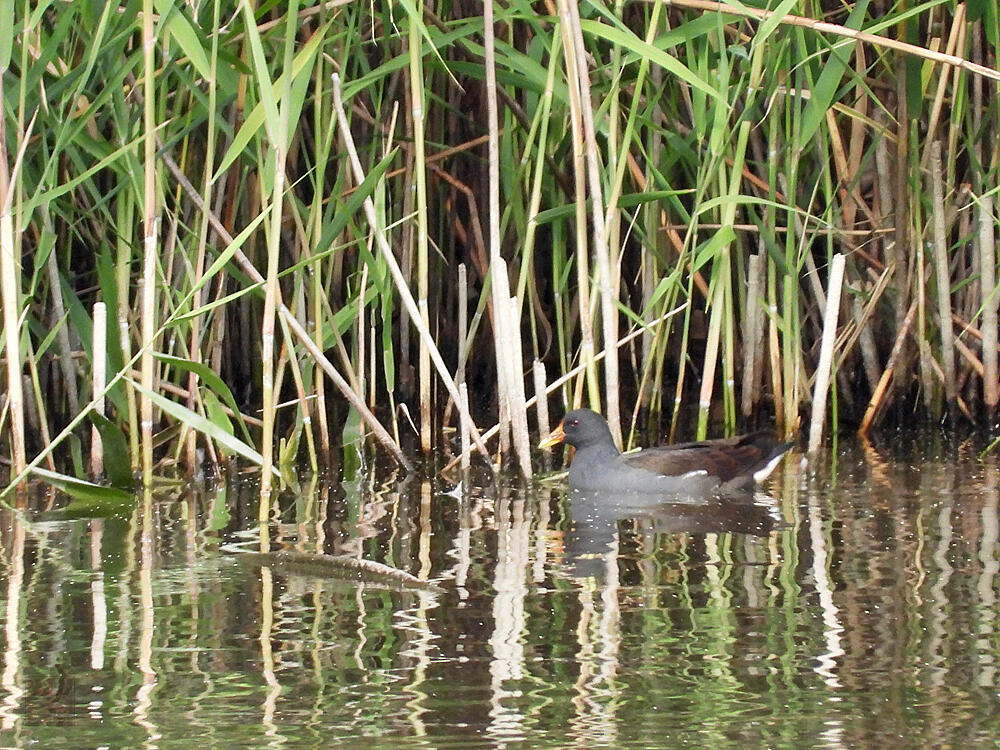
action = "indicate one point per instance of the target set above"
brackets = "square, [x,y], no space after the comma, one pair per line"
[574,422]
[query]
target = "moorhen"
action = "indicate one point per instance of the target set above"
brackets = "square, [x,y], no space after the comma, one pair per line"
[686,469]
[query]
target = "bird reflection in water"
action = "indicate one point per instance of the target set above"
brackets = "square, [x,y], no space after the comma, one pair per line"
[592,534]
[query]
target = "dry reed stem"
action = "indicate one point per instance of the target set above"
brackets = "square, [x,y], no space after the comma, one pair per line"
[711,356]
[499,283]
[988,290]
[876,401]
[100,379]
[430,160]
[957,24]
[838,30]
[416,83]
[970,356]
[885,205]
[580,197]
[859,129]
[150,231]
[463,321]
[342,385]
[851,333]
[940,250]
[774,351]
[541,403]
[515,384]
[463,421]
[10,286]
[824,369]
[866,344]
[63,347]
[607,288]
[753,332]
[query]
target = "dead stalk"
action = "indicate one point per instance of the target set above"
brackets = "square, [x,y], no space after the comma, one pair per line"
[824,369]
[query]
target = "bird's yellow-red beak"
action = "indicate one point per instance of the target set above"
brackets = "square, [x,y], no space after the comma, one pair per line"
[555,437]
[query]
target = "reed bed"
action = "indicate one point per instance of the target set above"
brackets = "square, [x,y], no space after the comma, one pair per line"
[311,223]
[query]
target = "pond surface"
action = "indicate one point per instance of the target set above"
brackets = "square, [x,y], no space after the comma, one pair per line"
[852,602]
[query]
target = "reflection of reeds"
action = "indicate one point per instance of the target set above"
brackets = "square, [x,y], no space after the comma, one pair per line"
[276,213]
[879,580]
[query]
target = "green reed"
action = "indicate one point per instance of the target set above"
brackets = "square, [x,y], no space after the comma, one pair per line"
[280,263]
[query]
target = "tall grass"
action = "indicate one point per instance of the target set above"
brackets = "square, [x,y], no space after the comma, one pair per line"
[275,203]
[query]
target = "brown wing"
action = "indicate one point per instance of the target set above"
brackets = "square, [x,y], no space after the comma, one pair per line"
[726,459]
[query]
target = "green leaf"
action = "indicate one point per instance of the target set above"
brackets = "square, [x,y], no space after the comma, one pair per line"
[710,249]
[6,33]
[204,426]
[218,515]
[558,213]
[217,415]
[769,24]
[630,200]
[181,29]
[266,111]
[354,201]
[117,466]
[216,385]
[829,81]
[626,39]
[92,500]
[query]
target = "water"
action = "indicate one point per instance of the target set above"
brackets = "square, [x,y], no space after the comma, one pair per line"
[852,602]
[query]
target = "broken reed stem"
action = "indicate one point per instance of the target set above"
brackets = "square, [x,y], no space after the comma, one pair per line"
[541,398]
[100,378]
[506,311]
[711,359]
[988,290]
[824,370]
[940,251]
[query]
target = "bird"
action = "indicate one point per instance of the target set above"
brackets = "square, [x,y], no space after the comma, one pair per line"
[697,469]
